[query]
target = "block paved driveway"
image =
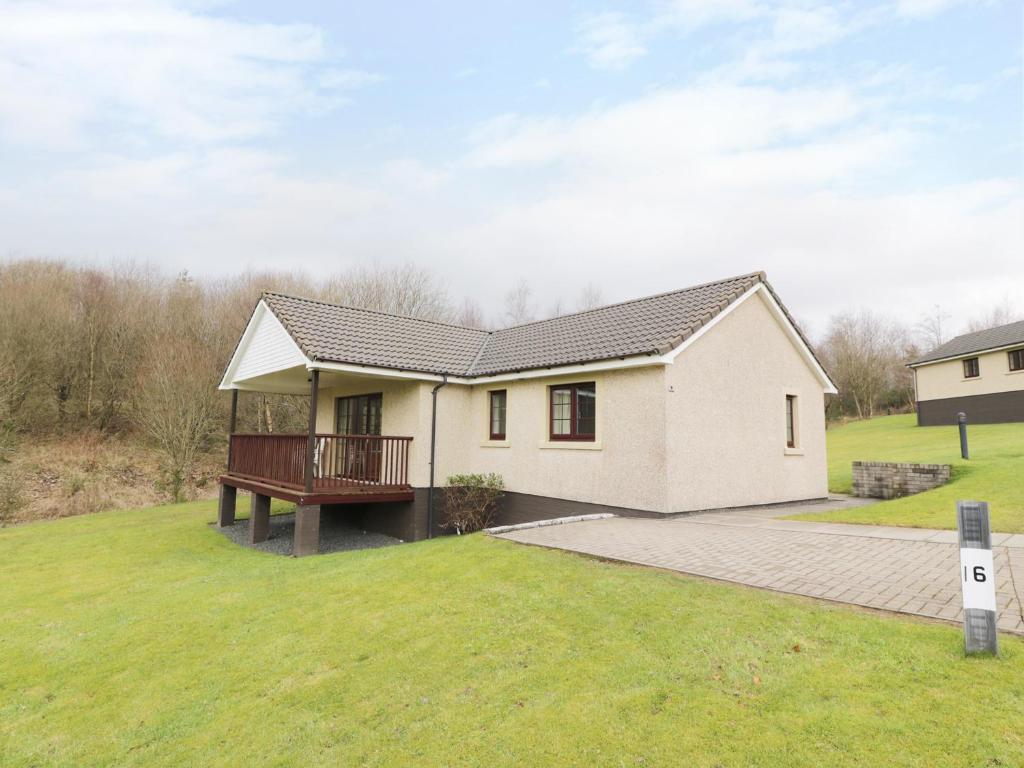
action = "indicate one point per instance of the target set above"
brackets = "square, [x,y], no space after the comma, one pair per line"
[906,570]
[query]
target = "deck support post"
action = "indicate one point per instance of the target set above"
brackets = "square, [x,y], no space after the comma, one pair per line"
[314,386]
[226,506]
[232,422]
[259,518]
[307,531]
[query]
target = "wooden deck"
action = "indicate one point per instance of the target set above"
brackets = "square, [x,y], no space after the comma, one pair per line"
[323,494]
[346,469]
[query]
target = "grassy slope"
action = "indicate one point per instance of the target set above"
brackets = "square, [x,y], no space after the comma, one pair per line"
[994,474]
[77,474]
[145,638]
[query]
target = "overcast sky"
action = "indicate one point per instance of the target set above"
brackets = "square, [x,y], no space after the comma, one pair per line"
[863,154]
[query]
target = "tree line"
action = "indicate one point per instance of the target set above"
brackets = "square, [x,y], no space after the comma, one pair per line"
[866,354]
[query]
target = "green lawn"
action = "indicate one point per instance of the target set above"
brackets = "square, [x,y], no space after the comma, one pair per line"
[147,638]
[995,472]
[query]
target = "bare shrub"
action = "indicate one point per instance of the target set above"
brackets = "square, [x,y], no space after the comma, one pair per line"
[178,413]
[471,501]
[11,497]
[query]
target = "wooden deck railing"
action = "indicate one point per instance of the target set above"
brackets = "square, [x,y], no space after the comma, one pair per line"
[339,461]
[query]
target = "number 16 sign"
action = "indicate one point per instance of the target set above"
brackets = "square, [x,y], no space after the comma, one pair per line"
[977,577]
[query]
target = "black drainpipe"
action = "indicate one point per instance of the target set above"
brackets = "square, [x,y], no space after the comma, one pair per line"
[433,442]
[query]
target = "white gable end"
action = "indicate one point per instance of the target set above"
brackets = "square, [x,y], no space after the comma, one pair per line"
[265,347]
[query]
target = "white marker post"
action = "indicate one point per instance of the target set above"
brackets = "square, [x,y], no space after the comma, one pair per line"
[977,577]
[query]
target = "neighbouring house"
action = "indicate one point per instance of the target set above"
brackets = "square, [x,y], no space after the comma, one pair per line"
[701,398]
[980,374]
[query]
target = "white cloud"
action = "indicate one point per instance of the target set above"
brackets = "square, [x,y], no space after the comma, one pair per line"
[774,32]
[690,184]
[924,8]
[609,40]
[667,126]
[150,69]
[693,14]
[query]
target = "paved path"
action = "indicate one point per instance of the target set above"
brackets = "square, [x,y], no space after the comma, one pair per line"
[897,569]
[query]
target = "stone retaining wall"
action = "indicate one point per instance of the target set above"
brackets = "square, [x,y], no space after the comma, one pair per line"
[889,480]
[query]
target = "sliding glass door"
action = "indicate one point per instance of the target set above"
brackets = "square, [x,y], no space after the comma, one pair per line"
[359,415]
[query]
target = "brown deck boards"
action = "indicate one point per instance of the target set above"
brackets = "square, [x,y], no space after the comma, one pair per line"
[361,494]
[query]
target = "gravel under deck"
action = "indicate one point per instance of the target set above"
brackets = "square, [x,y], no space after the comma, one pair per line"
[335,536]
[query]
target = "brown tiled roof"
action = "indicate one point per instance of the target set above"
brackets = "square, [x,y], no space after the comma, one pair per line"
[651,325]
[333,333]
[979,341]
[648,326]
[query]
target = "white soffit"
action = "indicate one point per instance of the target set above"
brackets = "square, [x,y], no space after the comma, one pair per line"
[265,348]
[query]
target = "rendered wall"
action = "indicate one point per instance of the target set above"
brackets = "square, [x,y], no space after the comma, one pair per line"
[726,417]
[623,467]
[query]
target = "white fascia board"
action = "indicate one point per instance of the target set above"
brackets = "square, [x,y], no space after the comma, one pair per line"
[966,355]
[783,320]
[538,373]
[673,354]
[372,370]
[262,310]
[633,361]
[798,342]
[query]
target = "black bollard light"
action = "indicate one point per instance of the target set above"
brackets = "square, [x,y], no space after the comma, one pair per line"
[961,420]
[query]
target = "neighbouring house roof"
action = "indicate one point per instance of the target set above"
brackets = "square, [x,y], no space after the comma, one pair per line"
[973,343]
[654,325]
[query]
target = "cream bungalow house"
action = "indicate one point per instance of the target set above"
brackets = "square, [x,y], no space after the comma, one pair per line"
[980,374]
[700,398]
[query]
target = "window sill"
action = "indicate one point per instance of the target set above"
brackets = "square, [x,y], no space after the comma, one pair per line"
[495,444]
[1014,373]
[794,451]
[571,445]
[972,378]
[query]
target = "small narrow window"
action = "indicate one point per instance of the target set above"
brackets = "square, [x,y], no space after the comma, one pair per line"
[971,368]
[1016,359]
[498,398]
[573,411]
[791,421]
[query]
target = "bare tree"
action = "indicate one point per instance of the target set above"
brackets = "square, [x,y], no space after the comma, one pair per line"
[555,310]
[407,290]
[95,303]
[1000,314]
[866,354]
[470,315]
[13,390]
[519,304]
[931,328]
[590,297]
[178,412]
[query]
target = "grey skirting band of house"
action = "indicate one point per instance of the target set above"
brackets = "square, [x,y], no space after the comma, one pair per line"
[995,408]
